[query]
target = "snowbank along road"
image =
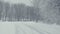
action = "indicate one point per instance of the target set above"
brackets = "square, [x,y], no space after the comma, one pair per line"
[28,28]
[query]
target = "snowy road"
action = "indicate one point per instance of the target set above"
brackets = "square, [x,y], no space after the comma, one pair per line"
[28,28]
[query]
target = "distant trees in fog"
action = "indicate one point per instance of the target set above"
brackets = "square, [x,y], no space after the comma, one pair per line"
[42,10]
[1,4]
[18,12]
[49,10]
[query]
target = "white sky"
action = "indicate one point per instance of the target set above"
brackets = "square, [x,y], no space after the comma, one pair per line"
[27,2]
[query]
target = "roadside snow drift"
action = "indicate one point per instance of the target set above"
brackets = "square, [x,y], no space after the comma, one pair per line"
[28,28]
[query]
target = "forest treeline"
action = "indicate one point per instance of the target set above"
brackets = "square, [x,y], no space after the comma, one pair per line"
[18,12]
[47,11]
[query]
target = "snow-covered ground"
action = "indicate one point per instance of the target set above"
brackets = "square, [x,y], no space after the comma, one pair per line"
[28,28]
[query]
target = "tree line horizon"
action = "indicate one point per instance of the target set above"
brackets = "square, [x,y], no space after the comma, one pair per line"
[47,11]
[18,12]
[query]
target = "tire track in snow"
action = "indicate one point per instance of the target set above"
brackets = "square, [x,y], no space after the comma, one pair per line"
[28,30]
[19,30]
[36,29]
[33,29]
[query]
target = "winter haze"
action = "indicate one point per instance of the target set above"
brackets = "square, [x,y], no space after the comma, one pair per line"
[18,1]
[29,16]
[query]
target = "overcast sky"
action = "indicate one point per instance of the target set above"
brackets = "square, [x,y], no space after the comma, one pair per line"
[19,1]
